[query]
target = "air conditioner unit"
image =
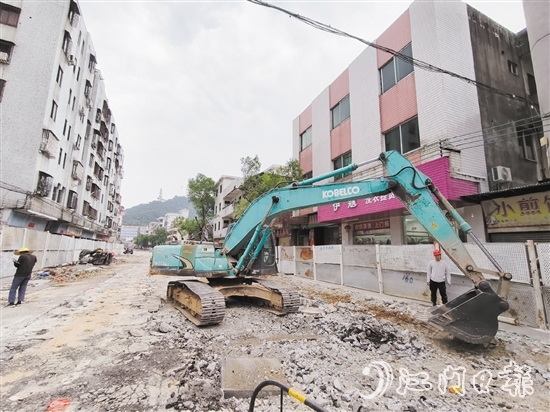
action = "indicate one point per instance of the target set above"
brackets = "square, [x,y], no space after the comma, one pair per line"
[501,174]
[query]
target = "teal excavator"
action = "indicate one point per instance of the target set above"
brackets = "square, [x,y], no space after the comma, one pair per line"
[211,274]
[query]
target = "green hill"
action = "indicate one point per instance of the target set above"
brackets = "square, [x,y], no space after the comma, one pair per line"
[142,215]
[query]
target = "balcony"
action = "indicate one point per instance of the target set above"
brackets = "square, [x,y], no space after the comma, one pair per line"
[78,171]
[49,146]
[228,211]
[118,198]
[96,191]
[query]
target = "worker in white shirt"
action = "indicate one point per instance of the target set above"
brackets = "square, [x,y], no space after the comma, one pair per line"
[438,273]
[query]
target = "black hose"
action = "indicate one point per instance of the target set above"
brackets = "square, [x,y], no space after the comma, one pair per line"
[290,391]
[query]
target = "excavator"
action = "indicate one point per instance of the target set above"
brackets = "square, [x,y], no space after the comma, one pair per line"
[211,274]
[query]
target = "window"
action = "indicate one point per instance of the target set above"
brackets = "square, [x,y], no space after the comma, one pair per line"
[305,139]
[91,160]
[308,175]
[106,181]
[91,64]
[44,185]
[74,102]
[6,48]
[60,155]
[525,142]
[396,69]
[74,15]
[2,85]
[9,15]
[404,137]
[89,182]
[78,142]
[59,79]
[532,84]
[72,200]
[69,133]
[78,74]
[53,113]
[340,112]
[513,67]
[67,44]
[64,160]
[83,43]
[342,161]
[65,127]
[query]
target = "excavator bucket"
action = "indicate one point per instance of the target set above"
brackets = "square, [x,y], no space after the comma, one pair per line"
[471,317]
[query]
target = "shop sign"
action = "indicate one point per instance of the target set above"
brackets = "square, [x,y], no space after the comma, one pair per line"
[372,225]
[74,231]
[371,200]
[518,211]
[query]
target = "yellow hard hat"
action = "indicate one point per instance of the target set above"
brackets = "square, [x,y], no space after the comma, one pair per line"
[22,250]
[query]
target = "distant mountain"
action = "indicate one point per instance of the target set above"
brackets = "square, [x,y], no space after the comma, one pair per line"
[142,215]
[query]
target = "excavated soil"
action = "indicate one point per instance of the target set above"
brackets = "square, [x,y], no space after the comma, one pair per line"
[104,339]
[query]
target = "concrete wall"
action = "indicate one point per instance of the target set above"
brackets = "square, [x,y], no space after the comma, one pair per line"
[493,46]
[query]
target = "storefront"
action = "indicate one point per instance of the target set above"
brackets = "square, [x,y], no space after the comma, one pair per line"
[518,214]
[383,219]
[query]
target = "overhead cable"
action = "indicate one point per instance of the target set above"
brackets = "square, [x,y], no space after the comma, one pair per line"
[415,62]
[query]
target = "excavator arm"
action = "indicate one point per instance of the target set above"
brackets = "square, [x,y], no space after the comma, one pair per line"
[471,317]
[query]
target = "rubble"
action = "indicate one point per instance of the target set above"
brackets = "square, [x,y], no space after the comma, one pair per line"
[120,346]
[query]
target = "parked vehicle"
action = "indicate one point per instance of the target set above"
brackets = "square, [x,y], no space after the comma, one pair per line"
[95,257]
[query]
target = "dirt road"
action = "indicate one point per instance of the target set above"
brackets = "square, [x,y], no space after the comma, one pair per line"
[107,341]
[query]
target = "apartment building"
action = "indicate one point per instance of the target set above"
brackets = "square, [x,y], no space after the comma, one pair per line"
[468,139]
[62,160]
[227,195]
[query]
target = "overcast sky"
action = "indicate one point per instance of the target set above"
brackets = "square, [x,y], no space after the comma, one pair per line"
[194,86]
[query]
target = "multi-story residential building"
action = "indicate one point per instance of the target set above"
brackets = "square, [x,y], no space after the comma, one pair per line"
[467,138]
[227,195]
[62,161]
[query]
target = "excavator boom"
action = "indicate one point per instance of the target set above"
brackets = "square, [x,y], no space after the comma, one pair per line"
[471,317]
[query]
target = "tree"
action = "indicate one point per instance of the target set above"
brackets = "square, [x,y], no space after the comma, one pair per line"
[201,192]
[188,227]
[260,183]
[141,241]
[250,166]
[158,237]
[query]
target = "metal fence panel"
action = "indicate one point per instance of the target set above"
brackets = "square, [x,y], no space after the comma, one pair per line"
[303,253]
[304,269]
[546,300]
[543,253]
[361,277]
[328,272]
[522,304]
[12,238]
[414,258]
[362,256]
[328,254]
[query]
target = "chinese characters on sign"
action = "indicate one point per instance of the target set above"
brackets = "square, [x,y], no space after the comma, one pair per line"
[353,203]
[517,380]
[526,210]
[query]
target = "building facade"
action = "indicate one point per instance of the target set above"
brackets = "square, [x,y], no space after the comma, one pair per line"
[227,196]
[61,160]
[467,139]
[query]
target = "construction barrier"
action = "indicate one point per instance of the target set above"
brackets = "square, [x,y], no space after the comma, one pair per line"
[50,250]
[400,270]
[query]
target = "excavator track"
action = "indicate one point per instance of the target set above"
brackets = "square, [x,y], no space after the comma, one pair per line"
[290,297]
[200,303]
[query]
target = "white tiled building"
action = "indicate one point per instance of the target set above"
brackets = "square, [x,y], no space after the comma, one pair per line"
[61,158]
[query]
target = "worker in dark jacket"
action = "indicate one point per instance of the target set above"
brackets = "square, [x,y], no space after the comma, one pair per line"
[24,266]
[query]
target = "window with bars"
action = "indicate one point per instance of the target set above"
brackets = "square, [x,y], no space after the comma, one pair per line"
[526,145]
[9,15]
[67,44]
[6,48]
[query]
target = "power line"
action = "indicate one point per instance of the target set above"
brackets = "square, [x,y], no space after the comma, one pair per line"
[411,60]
